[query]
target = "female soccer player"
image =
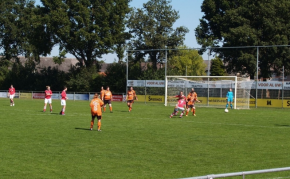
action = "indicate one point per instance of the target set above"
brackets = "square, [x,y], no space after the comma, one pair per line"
[131,95]
[107,98]
[229,98]
[11,93]
[96,105]
[63,100]
[47,99]
[180,106]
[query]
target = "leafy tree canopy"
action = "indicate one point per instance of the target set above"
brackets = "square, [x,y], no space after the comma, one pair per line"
[186,62]
[87,28]
[217,67]
[151,28]
[230,23]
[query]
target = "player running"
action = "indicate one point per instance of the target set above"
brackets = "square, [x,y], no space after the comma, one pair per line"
[131,95]
[96,105]
[193,100]
[180,106]
[63,100]
[47,99]
[230,97]
[11,94]
[107,98]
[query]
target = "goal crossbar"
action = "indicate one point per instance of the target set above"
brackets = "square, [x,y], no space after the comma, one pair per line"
[185,78]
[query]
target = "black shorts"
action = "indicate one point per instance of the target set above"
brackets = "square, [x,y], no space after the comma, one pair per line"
[130,101]
[190,106]
[98,117]
[107,102]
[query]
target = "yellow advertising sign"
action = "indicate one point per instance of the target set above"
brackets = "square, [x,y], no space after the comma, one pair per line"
[25,95]
[151,98]
[222,101]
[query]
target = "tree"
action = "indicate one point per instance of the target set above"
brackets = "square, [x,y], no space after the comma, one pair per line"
[186,62]
[23,30]
[151,28]
[230,23]
[217,67]
[85,28]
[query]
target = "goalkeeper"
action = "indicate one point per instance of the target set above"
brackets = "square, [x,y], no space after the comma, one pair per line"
[229,98]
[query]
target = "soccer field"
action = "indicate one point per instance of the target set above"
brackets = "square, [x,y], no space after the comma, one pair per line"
[145,143]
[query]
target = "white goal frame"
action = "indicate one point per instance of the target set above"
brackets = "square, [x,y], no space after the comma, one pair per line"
[235,79]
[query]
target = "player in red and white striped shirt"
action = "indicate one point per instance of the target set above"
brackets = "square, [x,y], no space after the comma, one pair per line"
[11,93]
[63,100]
[47,99]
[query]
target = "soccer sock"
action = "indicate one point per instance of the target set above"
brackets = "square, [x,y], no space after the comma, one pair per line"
[181,114]
[130,108]
[227,105]
[92,123]
[186,112]
[44,108]
[231,106]
[111,108]
[193,111]
[99,125]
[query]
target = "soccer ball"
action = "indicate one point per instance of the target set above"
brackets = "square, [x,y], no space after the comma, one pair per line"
[226,110]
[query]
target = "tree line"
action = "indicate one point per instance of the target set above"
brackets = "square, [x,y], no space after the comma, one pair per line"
[88,29]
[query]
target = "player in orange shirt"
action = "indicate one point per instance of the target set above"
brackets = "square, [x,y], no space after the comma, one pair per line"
[102,95]
[131,96]
[96,111]
[107,98]
[192,101]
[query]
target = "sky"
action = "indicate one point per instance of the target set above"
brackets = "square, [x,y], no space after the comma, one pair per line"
[189,12]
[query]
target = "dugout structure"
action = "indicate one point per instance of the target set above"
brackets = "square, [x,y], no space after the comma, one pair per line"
[211,90]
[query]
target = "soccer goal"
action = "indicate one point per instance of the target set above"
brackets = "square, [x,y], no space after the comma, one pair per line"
[211,90]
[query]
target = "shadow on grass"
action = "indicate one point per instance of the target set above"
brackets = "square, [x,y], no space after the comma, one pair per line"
[86,129]
[282,125]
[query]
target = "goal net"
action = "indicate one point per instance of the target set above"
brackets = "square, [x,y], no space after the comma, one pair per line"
[211,90]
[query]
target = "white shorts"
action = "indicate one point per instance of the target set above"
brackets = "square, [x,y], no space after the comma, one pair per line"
[63,102]
[179,109]
[47,101]
[11,96]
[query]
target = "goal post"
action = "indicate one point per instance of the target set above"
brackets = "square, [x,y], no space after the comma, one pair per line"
[211,90]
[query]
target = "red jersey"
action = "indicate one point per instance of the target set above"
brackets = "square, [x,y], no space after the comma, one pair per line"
[48,94]
[181,103]
[11,91]
[63,95]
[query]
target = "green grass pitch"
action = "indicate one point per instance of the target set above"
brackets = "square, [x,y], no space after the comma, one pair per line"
[145,143]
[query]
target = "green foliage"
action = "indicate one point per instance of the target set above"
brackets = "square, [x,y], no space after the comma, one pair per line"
[186,62]
[217,67]
[116,77]
[23,30]
[59,59]
[87,29]
[247,23]
[81,79]
[151,28]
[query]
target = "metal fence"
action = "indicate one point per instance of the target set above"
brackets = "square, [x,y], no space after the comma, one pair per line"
[243,174]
